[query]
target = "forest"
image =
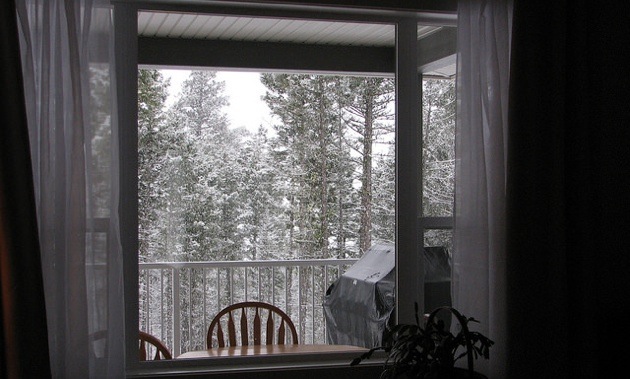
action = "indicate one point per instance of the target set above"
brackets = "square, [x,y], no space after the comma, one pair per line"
[318,184]
[321,184]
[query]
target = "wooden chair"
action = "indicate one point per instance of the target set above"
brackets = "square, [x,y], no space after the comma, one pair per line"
[147,343]
[251,309]
[161,351]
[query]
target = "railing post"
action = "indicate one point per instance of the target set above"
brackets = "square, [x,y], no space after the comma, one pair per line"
[147,315]
[299,304]
[313,302]
[161,304]
[259,287]
[205,311]
[273,285]
[231,278]
[218,290]
[177,324]
[190,308]
[325,289]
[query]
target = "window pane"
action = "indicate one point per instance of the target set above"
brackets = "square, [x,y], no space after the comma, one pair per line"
[437,267]
[273,207]
[438,168]
[439,237]
[438,128]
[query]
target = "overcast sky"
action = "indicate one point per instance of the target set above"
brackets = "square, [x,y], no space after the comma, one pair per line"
[244,91]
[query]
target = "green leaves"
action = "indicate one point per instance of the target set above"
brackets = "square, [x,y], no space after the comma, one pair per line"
[428,352]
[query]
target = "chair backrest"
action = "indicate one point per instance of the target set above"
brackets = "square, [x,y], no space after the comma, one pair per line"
[147,344]
[255,311]
[161,351]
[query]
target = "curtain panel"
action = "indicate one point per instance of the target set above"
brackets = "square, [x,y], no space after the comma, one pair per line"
[67,55]
[22,313]
[478,283]
[567,207]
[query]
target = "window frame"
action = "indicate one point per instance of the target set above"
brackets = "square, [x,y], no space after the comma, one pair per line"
[409,221]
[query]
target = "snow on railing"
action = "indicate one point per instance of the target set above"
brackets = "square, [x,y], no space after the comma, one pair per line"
[177,300]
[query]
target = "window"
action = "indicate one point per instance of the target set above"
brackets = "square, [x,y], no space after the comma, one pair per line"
[168,45]
[272,211]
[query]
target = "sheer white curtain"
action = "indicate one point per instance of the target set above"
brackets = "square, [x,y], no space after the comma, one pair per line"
[67,56]
[479,239]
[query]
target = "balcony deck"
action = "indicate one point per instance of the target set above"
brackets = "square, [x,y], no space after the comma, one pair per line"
[177,300]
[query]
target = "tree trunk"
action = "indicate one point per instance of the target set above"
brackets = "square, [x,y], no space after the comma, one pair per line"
[365,229]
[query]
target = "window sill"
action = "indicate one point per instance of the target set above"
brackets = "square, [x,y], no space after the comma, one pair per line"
[331,365]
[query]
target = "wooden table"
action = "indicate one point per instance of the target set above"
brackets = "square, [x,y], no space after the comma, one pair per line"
[271,350]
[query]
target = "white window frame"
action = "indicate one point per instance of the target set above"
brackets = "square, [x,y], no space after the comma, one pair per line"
[409,231]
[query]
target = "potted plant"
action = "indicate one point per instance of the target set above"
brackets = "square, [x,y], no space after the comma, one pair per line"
[431,352]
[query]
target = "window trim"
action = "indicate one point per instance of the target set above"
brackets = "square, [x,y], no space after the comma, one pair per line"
[408,160]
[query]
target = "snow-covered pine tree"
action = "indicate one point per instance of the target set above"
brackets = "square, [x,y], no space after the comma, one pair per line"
[198,115]
[384,196]
[306,107]
[438,153]
[370,116]
[152,147]
[307,146]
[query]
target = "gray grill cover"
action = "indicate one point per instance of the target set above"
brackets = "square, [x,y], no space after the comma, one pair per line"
[359,304]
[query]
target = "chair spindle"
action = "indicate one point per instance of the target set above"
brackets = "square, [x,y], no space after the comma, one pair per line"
[257,328]
[231,330]
[281,333]
[269,329]
[244,336]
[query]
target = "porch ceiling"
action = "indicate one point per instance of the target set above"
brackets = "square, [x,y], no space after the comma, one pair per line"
[258,29]
[204,40]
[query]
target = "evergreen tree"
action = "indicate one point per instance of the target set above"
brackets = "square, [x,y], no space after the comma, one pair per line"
[438,146]
[262,222]
[203,177]
[345,221]
[438,126]
[152,146]
[307,135]
[384,199]
[369,115]
[307,145]
[200,105]
[204,168]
